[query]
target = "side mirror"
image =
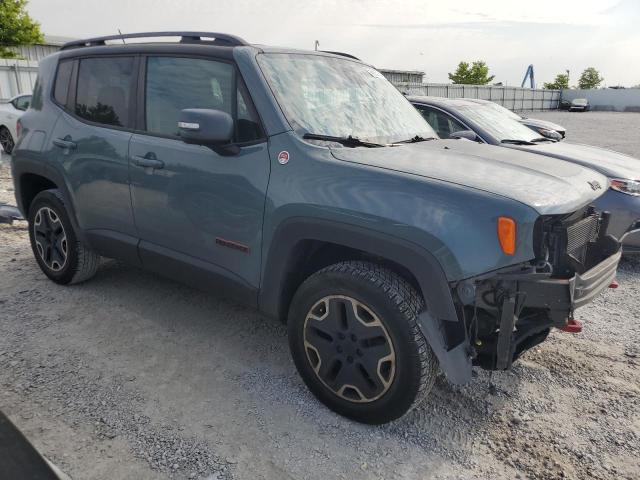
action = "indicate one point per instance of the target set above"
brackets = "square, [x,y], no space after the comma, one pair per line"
[550,134]
[205,127]
[466,134]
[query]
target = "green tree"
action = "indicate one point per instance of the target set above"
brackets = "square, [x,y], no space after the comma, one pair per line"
[590,78]
[16,27]
[475,74]
[560,83]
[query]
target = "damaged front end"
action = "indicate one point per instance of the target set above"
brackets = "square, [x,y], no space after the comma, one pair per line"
[511,310]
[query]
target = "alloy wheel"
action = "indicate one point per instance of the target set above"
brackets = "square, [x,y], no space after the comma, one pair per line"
[50,239]
[349,349]
[6,140]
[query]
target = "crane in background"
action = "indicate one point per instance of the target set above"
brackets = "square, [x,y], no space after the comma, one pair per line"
[531,75]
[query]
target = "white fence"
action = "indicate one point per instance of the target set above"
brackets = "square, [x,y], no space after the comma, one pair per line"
[608,99]
[17,76]
[513,98]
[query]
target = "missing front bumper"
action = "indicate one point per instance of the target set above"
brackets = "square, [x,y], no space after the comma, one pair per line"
[530,305]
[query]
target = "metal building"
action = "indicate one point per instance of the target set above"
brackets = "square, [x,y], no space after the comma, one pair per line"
[18,75]
[403,76]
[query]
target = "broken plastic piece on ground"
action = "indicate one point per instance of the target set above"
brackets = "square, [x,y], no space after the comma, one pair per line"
[572,326]
[9,213]
[614,284]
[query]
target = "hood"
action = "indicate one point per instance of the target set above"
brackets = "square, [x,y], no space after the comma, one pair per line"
[547,185]
[534,122]
[609,163]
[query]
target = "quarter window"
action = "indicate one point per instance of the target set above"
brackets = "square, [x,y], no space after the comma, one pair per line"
[104,90]
[248,124]
[63,77]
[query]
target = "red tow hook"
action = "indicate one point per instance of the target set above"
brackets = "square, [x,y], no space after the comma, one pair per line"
[614,284]
[572,326]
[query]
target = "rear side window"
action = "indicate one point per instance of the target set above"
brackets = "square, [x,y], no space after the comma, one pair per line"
[63,78]
[174,84]
[104,90]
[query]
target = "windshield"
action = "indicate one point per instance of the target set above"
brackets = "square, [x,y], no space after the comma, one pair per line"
[506,111]
[498,124]
[338,97]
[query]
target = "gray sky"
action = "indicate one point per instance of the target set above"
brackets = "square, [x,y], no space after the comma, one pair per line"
[427,35]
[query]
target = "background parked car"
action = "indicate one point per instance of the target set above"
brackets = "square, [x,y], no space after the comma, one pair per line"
[461,118]
[9,114]
[543,127]
[580,105]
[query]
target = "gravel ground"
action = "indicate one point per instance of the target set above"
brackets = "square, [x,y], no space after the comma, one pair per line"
[134,376]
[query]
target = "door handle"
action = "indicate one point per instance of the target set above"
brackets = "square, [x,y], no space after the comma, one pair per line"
[148,160]
[65,143]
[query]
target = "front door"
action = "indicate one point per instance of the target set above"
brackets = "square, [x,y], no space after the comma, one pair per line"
[192,205]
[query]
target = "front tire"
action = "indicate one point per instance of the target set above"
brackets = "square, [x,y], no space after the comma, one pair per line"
[355,340]
[61,256]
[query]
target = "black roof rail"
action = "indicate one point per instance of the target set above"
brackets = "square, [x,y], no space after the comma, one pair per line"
[222,39]
[342,54]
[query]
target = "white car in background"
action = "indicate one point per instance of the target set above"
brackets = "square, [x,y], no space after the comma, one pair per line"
[9,114]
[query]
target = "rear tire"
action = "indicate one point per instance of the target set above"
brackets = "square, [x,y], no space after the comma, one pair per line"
[60,254]
[355,340]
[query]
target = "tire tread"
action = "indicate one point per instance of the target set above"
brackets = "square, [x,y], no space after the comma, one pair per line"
[88,260]
[408,302]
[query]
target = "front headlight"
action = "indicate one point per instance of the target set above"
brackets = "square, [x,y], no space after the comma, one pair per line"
[630,187]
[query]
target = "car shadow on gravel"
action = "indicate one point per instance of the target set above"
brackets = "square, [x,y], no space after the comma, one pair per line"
[176,366]
[257,371]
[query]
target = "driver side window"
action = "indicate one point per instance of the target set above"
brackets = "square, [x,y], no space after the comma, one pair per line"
[175,83]
[443,124]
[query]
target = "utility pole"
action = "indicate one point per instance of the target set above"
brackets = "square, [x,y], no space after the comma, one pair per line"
[317,44]
[568,78]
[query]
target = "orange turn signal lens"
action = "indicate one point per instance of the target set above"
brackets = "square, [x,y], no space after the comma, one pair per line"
[507,235]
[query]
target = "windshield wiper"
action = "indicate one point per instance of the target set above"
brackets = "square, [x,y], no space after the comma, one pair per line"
[516,141]
[416,139]
[349,141]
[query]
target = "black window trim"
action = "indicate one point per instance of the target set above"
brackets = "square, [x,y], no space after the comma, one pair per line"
[69,108]
[237,80]
[138,93]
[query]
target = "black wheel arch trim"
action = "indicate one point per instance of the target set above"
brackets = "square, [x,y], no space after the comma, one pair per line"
[436,324]
[29,166]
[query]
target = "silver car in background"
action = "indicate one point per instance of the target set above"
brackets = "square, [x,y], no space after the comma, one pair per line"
[543,127]
[483,123]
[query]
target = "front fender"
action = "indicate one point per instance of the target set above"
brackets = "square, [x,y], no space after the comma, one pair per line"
[440,324]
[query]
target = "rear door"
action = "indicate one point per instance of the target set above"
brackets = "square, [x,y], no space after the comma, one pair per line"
[90,142]
[192,206]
